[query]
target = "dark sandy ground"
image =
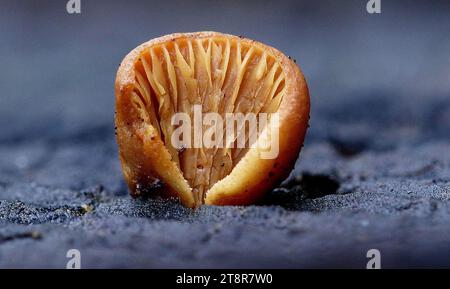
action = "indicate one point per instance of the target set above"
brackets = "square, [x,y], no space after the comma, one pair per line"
[374,172]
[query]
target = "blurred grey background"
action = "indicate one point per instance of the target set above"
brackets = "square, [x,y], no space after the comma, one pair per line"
[376,80]
[58,69]
[374,172]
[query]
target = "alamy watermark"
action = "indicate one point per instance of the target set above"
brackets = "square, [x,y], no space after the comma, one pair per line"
[74,256]
[373,6]
[374,256]
[237,130]
[73,6]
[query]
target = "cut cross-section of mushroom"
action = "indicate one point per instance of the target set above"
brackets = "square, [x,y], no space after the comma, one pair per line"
[193,75]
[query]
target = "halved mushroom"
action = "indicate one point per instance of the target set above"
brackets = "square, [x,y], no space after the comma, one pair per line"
[214,73]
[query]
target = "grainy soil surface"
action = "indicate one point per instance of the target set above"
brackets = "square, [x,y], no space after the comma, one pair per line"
[374,171]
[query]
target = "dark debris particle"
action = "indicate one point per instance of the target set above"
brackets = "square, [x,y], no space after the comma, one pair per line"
[150,189]
[35,235]
[95,194]
[182,149]
[87,208]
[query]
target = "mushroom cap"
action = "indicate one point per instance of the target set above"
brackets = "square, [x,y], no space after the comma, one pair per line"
[148,165]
